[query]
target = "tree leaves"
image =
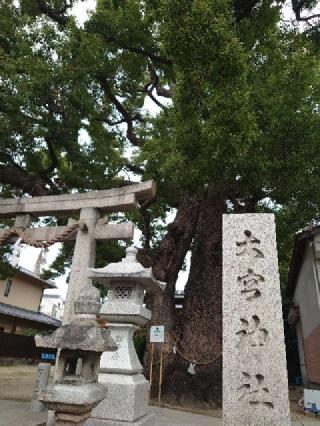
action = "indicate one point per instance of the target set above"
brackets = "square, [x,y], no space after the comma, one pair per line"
[241,93]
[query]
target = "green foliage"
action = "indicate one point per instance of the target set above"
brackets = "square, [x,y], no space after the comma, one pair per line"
[60,264]
[243,117]
[140,343]
[6,270]
[34,332]
[210,125]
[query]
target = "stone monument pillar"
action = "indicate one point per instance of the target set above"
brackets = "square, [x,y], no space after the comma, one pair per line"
[255,385]
[42,379]
[121,371]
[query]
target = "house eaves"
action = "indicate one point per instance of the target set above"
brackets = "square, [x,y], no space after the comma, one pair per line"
[14,311]
[302,238]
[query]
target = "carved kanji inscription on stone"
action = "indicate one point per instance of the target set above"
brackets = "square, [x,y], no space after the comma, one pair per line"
[251,333]
[249,246]
[251,284]
[255,385]
[254,391]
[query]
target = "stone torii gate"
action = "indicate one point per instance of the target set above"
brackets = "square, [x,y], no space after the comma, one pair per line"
[92,227]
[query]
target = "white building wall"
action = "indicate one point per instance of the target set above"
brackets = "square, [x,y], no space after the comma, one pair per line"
[52,306]
[306,295]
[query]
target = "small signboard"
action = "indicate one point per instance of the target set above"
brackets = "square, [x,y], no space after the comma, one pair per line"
[157,334]
[50,357]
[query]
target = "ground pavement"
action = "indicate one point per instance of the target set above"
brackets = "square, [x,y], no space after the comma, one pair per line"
[17,413]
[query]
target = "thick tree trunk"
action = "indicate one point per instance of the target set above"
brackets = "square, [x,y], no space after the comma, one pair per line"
[167,261]
[200,337]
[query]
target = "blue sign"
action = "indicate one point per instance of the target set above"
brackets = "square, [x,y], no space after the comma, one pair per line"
[50,357]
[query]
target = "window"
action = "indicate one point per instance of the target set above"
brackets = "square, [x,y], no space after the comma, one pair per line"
[7,289]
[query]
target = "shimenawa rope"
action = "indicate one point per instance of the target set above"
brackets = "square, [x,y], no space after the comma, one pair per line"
[20,232]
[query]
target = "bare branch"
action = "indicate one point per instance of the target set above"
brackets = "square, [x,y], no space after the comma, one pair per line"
[156,83]
[139,51]
[128,118]
[155,100]
[297,6]
[307,18]
[57,15]
[149,93]
[53,157]
[113,123]
[134,169]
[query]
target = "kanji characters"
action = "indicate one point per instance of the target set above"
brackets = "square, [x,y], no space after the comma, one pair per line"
[249,245]
[254,390]
[251,284]
[251,332]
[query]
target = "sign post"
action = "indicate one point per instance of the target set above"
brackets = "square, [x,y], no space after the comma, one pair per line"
[160,374]
[157,336]
[151,369]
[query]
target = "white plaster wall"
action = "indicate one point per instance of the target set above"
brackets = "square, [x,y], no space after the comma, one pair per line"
[53,307]
[307,295]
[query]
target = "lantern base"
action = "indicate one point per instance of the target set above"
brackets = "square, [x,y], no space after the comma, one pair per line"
[62,419]
[127,399]
[147,420]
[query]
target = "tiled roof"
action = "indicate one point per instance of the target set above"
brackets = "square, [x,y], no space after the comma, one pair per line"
[14,311]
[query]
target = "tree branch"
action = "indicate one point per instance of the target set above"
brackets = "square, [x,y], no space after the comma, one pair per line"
[134,169]
[155,100]
[127,116]
[18,178]
[139,51]
[57,15]
[113,123]
[156,83]
[307,18]
[53,157]
[297,6]
[243,8]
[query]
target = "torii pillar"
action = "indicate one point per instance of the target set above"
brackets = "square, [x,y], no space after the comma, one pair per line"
[84,256]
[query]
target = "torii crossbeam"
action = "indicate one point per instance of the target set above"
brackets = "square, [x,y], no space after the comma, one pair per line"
[89,205]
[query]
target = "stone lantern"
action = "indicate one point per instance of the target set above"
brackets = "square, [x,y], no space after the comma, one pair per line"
[121,371]
[75,391]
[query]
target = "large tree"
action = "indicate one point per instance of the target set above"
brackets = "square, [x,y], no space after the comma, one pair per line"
[235,127]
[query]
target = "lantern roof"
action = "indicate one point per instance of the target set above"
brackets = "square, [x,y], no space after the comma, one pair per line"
[83,333]
[127,270]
